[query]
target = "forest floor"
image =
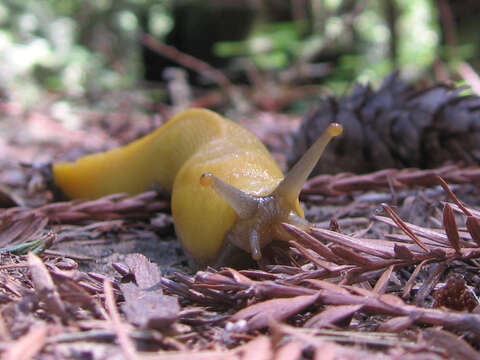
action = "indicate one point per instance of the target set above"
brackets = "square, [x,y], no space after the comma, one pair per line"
[390,271]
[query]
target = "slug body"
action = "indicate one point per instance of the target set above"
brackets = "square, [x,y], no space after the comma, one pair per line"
[221,177]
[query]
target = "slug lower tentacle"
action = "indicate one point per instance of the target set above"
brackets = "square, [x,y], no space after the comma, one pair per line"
[225,185]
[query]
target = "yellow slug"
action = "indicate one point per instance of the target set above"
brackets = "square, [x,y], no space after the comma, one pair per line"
[225,186]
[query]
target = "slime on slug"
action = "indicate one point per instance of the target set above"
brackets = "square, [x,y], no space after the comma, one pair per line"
[225,186]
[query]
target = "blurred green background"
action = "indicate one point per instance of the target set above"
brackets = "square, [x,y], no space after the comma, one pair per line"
[82,47]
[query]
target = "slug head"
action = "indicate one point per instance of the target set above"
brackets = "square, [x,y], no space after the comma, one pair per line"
[259,218]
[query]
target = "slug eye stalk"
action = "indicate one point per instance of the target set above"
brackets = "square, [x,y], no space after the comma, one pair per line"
[259,217]
[290,187]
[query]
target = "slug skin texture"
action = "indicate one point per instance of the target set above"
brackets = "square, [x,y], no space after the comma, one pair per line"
[176,156]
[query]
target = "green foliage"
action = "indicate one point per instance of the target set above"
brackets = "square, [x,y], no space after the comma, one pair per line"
[70,46]
[272,46]
[79,47]
[362,48]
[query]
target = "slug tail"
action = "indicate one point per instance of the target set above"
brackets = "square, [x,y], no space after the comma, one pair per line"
[152,160]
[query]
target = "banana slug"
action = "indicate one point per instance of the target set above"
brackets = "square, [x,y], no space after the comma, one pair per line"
[225,186]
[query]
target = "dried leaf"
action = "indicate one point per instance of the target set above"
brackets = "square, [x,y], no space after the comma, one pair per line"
[473,212]
[339,184]
[191,355]
[401,224]
[116,324]
[408,286]
[45,289]
[259,315]
[116,206]
[145,304]
[380,249]
[397,324]
[419,231]
[238,277]
[15,229]
[435,272]
[331,287]
[310,242]
[350,256]
[8,198]
[327,350]
[12,285]
[451,227]
[452,196]
[382,283]
[290,351]
[28,345]
[454,346]
[260,348]
[333,316]
[146,273]
[402,252]
[149,308]
[313,257]
[473,226]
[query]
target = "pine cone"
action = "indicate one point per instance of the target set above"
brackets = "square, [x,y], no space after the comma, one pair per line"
[395,127]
